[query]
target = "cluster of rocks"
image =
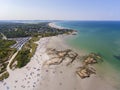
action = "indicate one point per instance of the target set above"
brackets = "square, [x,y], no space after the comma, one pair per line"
[85,71]
[92,58]
[57,56]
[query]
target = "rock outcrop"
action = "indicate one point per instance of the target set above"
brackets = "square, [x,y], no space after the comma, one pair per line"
[57,57]
[85,71]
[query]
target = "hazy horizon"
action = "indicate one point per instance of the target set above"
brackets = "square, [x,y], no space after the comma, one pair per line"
[103,10]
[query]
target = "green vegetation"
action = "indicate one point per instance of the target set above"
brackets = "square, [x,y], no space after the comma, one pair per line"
[4,76]
[16,30]
[13,30]
[33,30]
[22,58]
[6,43]
[3,67]
[5,50]
[25,54]
[5,53]
[49,34]
[0,36]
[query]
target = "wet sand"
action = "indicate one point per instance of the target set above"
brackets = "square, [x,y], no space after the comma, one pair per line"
[37,76]
[62,77]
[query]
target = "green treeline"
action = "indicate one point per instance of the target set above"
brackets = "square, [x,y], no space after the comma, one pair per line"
[5,54]
[13,30]
[25,54]
[5,48]
[22,58]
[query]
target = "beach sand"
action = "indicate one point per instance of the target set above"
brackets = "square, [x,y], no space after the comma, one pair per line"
[62,77]
[54,26]
[36,76]
[28,77]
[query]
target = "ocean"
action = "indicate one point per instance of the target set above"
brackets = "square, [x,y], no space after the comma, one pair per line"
[101,37]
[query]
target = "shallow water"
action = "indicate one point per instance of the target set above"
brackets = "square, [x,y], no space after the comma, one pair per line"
[101,37]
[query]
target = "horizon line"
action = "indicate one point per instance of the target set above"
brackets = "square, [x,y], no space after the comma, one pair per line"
[51,20]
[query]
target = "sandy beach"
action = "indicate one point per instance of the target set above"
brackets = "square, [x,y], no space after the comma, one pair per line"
[28,77]
[37,76]
[55,26]
[59,44]
[62,77]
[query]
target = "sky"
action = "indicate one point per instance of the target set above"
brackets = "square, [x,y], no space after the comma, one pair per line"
[59,9]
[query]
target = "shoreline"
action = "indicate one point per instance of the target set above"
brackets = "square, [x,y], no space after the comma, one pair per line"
[35,75]
[57,77]
[99,75]
[53,25]
[62,77]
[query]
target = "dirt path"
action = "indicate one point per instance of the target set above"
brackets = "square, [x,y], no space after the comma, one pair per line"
[8,66]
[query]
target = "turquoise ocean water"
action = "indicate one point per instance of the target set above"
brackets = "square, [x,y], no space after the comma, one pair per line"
[101,37]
